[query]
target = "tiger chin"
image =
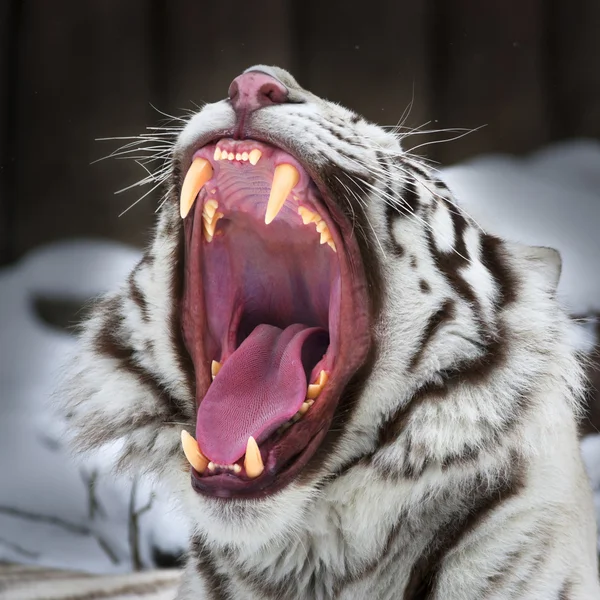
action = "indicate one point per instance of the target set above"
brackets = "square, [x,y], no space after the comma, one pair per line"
[379,399]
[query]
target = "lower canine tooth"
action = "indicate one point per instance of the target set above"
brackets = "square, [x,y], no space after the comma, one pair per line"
[192,452]
[285,178]
[253,461]
[198,174]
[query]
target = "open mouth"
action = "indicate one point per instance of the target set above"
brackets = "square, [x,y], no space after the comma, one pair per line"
[274,315]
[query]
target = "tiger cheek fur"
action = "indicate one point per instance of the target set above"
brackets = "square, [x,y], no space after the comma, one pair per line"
[449,468]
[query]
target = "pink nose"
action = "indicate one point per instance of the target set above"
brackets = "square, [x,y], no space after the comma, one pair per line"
[253,90]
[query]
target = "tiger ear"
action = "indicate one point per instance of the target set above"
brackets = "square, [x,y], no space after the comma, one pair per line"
[546,261]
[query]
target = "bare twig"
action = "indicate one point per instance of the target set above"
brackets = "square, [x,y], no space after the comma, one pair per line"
[67,525]
[94,506]
[134,526]
[18,548]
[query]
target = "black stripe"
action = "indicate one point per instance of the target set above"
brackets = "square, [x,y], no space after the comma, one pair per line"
[483,500]
[216,582]
[450,263]
[436,320]
[110,342]
[565,591]
[410,197]
[467,372]
[491,250]
[136,294]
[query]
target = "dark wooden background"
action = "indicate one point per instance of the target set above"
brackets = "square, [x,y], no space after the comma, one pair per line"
[73,71]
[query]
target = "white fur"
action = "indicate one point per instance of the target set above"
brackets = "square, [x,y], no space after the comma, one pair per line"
[323,536]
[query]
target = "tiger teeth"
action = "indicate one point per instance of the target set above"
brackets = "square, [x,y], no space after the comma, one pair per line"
[210,224]
[285,179]
[314,389]
[215,367]
[253,461]
[308,216]
[210,208]
[254,156]
[192,452]
[198,174]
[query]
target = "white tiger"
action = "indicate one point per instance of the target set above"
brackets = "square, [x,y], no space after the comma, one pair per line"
[384,397]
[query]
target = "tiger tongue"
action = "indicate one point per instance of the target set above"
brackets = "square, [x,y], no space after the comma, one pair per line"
[261,386]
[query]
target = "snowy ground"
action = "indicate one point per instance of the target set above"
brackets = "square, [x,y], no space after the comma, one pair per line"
[56,514]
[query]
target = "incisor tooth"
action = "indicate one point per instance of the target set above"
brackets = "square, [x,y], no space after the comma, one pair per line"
[254,156]
[231,156]
[253,461]
[314,389]
[238,156]
[198,174]
[285,179]
[192,452]
[245,156]
[217,155]
[224,155]
[215,367]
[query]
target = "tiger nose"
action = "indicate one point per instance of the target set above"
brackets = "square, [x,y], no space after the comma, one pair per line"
[250,91]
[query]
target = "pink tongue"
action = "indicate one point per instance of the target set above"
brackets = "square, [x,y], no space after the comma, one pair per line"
[260,386]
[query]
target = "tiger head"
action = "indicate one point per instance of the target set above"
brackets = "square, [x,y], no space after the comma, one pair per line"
[310,292]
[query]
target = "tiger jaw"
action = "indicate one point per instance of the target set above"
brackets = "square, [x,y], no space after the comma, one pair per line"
[274,315]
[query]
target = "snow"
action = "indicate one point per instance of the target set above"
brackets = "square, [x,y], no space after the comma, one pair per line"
[38,477]
[551,198]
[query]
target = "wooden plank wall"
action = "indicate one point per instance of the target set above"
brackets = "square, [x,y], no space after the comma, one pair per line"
[72,71]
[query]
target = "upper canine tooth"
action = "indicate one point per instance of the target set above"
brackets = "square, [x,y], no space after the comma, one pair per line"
[215,367]
[198,174]
[285,179]
[314,389]
[253,461]
[192,452]
[254,156]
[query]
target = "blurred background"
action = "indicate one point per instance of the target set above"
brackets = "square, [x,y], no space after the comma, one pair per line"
[71,72]
[523,74]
